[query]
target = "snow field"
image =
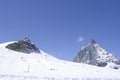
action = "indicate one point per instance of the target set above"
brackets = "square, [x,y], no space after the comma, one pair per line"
[20,66]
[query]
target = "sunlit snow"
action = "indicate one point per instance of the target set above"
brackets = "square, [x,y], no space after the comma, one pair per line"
[20,66]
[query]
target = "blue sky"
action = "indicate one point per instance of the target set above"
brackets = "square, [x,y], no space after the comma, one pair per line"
[56,25]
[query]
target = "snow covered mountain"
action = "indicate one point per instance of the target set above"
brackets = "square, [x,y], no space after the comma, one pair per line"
[95,55]
[15,64]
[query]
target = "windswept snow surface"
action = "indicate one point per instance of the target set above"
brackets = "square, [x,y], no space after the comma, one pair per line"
[20,66]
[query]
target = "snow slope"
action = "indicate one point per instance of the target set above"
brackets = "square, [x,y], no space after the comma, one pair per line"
[20,66]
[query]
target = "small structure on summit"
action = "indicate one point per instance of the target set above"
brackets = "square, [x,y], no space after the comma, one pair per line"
[27,39]
[25,46]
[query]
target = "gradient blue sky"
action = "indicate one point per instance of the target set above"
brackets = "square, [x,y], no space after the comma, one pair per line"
[56,25]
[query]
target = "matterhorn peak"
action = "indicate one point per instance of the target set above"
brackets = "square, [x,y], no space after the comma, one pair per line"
[92,41]
[25,46]
[94,54]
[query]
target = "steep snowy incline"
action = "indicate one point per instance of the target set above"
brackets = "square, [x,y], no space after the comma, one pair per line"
[16,65]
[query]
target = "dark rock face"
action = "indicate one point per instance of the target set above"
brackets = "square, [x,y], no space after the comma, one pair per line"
[93,54]
[24,46]
[87,55]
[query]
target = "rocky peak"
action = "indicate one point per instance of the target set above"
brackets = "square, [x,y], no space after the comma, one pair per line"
[94,54]
[25,46]
[92,41]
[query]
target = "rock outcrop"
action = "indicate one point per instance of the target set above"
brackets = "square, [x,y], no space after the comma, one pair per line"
[25,46]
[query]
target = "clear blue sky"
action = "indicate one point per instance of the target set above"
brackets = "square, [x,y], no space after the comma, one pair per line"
[55,25]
